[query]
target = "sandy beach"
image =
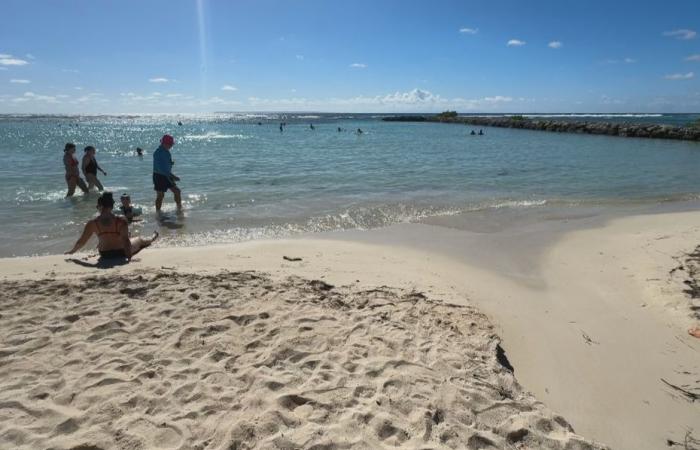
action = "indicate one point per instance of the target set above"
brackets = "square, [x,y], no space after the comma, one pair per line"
[382,339]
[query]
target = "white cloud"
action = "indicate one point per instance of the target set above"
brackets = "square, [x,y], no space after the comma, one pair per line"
[515,43]
[629,60]
[19,81]
[228,87]
[39,97]
[12,61]
[468,30]
[78,88]
[173,95]
[358,65]
[695,57]
[499,99]
[619,61]
[5,56]
[555,44]
[300,57]
[30,56]
[683,34]
[680,76]
[159,80]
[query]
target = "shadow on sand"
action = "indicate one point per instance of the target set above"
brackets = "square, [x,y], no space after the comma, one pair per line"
[101,263]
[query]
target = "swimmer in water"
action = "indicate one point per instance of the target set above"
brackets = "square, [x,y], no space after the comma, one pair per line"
[311,125]
[139,151]
[359,131]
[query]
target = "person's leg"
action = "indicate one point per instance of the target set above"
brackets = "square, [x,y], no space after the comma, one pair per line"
[98,184]
[159,199]
[82,185]
[178,196]
[90,178]
[71,182]
[139,243]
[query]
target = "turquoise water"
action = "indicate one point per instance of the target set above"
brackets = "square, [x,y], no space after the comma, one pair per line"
[242,180]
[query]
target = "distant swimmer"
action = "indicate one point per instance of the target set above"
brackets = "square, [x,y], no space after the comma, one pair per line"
[359,131]
[473,133]
[339,129]
[311,125]
[259,123]
[179,123]
[139,151]
[112,233]
[481,132]
[72,172]
[281,127]
[90,168]
[163,177]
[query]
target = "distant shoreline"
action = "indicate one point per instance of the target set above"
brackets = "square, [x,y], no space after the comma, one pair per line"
[653,131]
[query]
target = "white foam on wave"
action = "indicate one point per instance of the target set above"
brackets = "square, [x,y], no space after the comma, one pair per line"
[214,135]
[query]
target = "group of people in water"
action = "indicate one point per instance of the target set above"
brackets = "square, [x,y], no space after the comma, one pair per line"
[114,240]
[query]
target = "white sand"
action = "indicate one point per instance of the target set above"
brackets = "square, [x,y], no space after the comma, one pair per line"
[591,326]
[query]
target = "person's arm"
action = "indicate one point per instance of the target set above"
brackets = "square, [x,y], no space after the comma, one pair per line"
[124,235]
[87,232]
[100,168]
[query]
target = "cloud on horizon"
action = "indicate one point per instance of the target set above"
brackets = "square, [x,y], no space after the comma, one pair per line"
[19,81]
[466,30]
[555,44]
[516,43]
[358,65]
[228,87]
[159,80]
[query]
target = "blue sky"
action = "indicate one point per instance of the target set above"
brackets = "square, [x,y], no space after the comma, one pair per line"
[129,56]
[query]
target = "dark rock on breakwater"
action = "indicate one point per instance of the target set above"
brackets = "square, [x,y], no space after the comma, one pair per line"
[563,126]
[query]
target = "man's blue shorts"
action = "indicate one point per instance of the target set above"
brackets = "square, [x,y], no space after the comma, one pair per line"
[161,183]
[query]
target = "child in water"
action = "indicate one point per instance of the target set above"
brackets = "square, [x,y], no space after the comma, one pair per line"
[129,212]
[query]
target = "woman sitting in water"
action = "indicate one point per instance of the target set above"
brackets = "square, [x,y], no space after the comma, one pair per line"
[112,233]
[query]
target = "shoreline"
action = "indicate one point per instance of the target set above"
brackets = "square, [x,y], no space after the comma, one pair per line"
[587,311]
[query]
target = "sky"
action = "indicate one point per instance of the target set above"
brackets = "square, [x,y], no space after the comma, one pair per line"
[190,56]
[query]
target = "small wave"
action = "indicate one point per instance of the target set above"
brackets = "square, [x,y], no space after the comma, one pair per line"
[214,135]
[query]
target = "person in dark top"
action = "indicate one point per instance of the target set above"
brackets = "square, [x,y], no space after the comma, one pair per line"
[72,172]
[163,177]
[473,133]
[139,151]
[359,131]
[311,125]
[90,168]
[481,132]
[112,232]
[126,207]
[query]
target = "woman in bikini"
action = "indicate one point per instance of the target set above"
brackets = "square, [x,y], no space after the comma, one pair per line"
[72,173]
[112,233]
[90,168]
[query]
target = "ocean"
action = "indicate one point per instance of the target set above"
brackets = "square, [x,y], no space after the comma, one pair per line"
[244,179]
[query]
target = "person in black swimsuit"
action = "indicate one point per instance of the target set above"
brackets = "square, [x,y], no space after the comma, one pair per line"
[112,233]
[90,168]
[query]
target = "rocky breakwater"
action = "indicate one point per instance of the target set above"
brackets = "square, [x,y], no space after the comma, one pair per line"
[563,126]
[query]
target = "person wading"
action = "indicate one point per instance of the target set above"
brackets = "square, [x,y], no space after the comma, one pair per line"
[163,177]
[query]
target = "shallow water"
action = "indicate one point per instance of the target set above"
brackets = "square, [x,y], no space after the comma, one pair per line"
[242,180]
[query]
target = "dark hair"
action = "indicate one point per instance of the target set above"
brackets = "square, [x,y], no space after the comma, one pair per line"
[105,200]
[68,146]
[88,148]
